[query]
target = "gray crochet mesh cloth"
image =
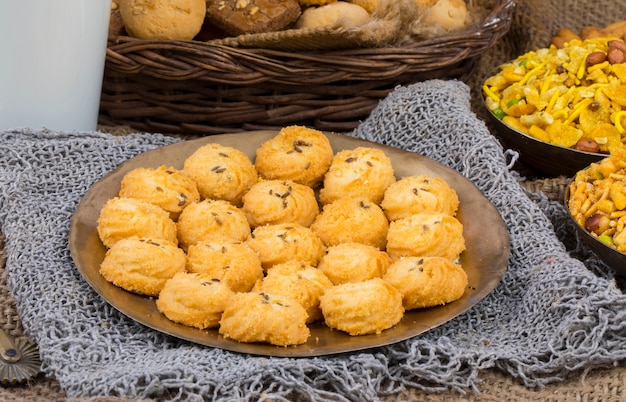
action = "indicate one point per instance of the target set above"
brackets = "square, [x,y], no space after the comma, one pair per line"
[552,315]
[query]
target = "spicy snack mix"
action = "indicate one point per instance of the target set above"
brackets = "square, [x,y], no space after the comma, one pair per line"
[573,97]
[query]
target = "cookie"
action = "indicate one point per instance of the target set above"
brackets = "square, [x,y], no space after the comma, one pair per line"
[276,244]
[353,262]
[221,172]
[361,172]
[296,153]
[211,220]
[299,281]
[233,263]
[259,317]
[142,265]
[336,14]
[240,17]
[194,300]
[419,194]
[427,281]
[362,308]
[426,235]
[272,202]
[122,218]
[352,219]
[165,187]
[163,19]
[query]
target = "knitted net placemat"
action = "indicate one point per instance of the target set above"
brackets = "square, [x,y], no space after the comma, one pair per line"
[552,316]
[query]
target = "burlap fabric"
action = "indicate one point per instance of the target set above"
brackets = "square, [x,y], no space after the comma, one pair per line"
[534,23]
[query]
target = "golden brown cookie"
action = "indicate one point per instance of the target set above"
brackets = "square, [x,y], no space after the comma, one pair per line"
[353,262]
[427,281]
[360,172]
[284,242]
[449,14]
[361,308]
[426,235]
[234,263]
[352,219]
[336,14]
[419,194]
[163,19]
[299,281]
[165,187]
[211,220]
[259,317]
[221,172]
[271,202]
[296,153]
[121,218]
[194,300]
[142,265]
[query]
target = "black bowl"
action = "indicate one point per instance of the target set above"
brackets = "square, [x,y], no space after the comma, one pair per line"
[548,159]
[609,255]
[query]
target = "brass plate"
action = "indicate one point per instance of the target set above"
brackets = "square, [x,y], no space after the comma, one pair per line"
[485,259]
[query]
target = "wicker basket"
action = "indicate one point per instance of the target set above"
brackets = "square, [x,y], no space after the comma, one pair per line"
[194,87]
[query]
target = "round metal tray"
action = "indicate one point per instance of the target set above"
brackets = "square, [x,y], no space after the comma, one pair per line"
[485,259]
